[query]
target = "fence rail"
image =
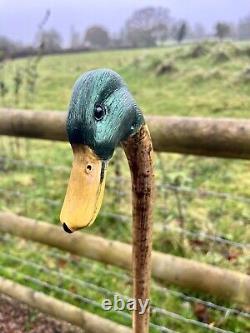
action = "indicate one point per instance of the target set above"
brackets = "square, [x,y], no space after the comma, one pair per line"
[61,310]
[229,138]
[222,283]
[183,281]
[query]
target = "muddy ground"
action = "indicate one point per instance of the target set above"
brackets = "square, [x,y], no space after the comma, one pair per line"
[16,317]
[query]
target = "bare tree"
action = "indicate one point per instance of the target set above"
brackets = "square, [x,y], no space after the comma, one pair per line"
[181,31]
[97,37]
[244,28]
[75,40]
[7,46]
[147,27]
[222,30]
[50,40]
[199,31]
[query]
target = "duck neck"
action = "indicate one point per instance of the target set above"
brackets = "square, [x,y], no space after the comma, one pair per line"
[138,149]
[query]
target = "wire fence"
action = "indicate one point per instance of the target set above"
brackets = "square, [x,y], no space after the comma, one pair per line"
[121,193]
[158,227]
[120,275]
[204,237]
[62,277]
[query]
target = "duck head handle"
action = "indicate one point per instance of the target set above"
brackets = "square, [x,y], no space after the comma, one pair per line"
[102,115]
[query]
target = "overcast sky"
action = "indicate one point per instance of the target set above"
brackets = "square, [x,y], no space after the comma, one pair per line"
[19,18]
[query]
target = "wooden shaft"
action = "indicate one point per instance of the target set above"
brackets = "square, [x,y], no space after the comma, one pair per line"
[223,137]
[138,149]
[186,273]
[58,309]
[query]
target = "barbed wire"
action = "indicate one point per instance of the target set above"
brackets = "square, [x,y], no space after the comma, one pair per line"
[105,291]
[182,189]
[84,261]
[200,301]
[92,286]
[176,316]
[221,239]
[112,293]
[68,277]
[50,201]
[31,164]
[204,193]
[27,196]
[125,277]
[62,290]
[81,298]
[160,227]
[202,235]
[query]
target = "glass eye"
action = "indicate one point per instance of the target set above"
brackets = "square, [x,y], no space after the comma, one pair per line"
[99,112]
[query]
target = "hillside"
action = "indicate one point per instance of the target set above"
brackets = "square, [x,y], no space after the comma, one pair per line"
[207,79]
[207,198]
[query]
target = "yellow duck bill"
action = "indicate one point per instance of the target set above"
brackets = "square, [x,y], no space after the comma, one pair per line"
[85,190]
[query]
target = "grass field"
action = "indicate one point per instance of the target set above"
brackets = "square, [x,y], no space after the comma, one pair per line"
[197,80]
[208,80]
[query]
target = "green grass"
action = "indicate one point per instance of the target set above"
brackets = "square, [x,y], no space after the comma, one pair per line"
[199,87]
[202,86]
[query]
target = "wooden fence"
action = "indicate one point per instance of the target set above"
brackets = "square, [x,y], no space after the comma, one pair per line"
[186,273]
[226,138]
[61,310]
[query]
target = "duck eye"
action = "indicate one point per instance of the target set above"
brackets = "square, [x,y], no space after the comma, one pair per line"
[99,112]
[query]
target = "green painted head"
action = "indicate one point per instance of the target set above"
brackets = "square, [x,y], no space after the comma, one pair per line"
[102,112]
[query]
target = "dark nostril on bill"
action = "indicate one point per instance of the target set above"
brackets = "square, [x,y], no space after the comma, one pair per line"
[66,229]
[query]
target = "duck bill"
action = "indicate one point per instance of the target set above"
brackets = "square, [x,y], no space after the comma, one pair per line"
[85,189]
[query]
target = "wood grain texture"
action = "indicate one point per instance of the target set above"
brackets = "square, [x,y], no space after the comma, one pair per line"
[221,283]
[138,149]
[227,138]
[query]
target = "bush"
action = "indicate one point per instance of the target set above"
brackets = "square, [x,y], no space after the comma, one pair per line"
[220,57]
[166,68]
[198,51]
[245,75]
[1,55]
[200,76]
